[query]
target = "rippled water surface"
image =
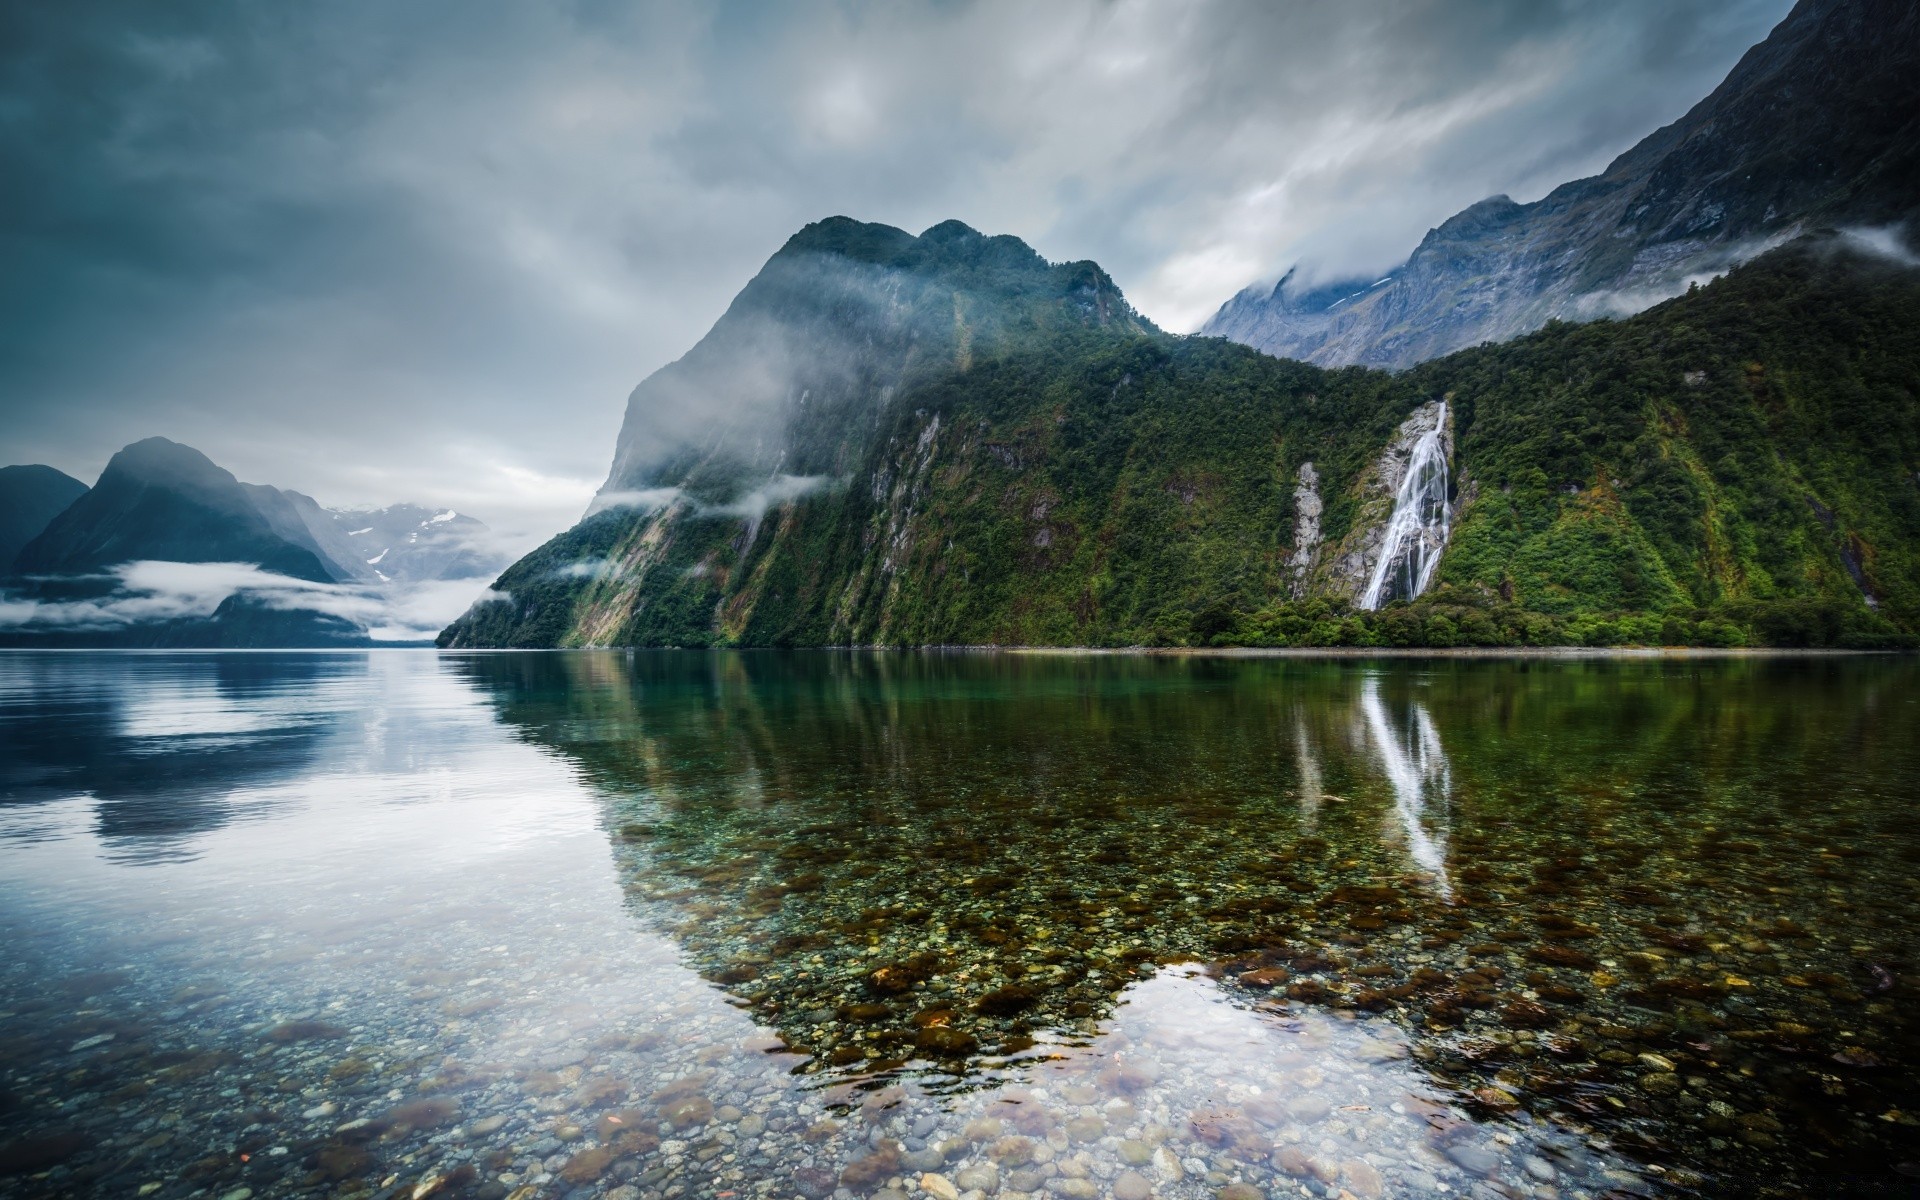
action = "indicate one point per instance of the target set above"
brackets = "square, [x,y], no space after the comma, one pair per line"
[775,925]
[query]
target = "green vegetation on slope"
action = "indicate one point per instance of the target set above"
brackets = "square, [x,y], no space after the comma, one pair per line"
[1736,466]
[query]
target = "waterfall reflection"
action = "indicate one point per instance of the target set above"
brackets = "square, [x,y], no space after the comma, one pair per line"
[1416,766]
[1311,791]
[1397,740]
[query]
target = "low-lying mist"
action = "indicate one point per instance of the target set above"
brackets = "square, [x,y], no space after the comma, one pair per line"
[153,592]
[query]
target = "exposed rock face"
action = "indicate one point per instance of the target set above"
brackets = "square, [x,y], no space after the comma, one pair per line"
[1306,529]
[1817,125]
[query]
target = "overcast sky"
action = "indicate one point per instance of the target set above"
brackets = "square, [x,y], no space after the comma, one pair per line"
[380,252]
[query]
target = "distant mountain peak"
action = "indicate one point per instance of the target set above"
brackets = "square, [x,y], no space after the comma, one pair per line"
[158,458]
[1819,124]
[411,542]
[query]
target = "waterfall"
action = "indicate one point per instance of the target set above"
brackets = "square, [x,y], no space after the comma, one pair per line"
[1417,531]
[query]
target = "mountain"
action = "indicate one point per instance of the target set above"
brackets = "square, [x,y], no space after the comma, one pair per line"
[160,500]
[405,543]
[30,497]
[1818,125]
[785,396]
[945,440]
[169,549]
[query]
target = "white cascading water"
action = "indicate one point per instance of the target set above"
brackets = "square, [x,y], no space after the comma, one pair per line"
[1417,531]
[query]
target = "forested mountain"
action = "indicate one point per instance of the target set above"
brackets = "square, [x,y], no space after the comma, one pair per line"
[30,497]
[1819,125]
[944,440]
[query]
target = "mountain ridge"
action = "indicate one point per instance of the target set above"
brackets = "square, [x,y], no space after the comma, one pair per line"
[1079,481]
[1818,125]
[158,499]
[31,496]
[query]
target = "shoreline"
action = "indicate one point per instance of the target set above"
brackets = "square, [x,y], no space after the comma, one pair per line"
[1247,652]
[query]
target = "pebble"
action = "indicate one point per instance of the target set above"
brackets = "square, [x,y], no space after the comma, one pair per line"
[983,1177]
[1086,1129]
[1295,1162]
[1363,1180]
[1477,1159]
[939,1187]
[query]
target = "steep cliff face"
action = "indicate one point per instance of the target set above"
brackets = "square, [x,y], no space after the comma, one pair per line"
[1817,125]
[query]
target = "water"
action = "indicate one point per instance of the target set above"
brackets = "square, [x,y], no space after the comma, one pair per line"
[1417,531]
[713,925]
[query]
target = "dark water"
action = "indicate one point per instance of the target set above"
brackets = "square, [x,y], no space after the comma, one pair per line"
[754,925]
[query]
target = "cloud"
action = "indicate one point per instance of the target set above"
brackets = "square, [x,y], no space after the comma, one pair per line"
[1887,242]
[752,507]
[1697,266]
[153,592]
[430,247]
[586,568]
[644,499]
[1884,242]
[780,490]
[419,612]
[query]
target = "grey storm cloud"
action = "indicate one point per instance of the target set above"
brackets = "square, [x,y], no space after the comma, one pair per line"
[421,252]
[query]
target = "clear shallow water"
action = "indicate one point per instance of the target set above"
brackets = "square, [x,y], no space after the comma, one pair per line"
[774,925]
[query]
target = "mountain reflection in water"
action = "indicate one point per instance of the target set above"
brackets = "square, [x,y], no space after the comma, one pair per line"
[688,923]
[164,746]
[941,866]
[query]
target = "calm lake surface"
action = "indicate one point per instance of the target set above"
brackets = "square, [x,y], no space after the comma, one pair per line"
[771,925]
